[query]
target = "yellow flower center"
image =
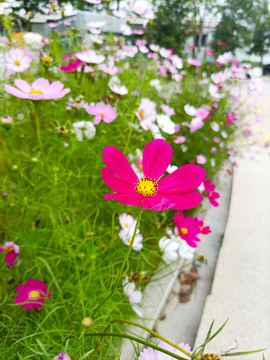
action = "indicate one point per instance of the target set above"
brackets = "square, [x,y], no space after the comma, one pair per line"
[9,249]
[46,60]
[146,187]
[33,91]
[33,294]
[126,225]
[101,114]
[129,240]
[184,231]
[141,113]
[17,62]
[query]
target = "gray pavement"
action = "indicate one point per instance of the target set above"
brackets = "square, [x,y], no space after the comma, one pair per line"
[241,287]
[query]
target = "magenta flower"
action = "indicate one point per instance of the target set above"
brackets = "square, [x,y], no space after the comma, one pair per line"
[72,66]
[41,89]
[176,190]
[62,356]
[211,194]
[12,252]
[199,222]
[231,118]
[188,228]
[33,294]
[103,112]
[17,60]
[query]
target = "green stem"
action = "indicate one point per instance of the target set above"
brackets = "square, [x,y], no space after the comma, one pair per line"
[140,341]
[123,264]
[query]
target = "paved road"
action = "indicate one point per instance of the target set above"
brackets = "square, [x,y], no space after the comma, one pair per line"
[241,287]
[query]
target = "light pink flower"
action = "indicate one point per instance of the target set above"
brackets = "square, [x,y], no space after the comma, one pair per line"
[225,58]
[139,7]
[52,25]
[17,60]
[194,62]
[180,140]
[90,56]
[151,354]
[167,109]
[202,113]
[176,190]
[108,69]
[146,113]
[12,252]
[201,159]
[33,294]
[103,112]
[41,89]
[196,124]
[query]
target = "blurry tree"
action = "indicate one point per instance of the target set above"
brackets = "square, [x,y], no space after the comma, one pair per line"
[236,25]
[260,41]
[172,25]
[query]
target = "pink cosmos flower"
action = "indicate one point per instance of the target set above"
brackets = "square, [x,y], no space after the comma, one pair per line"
[167,109]
[211,194]
[103,112]
[151,354]
[62,356]
[176,190]
[90,56]
[72,66]
[188,228]
[52,25]
[201,159]
[33,294]
[180,139]
[191,47]
[246,132]
[68,56]
[41,89]
[17,60]
[12,252]
[138,32]
[209,52]
[139,7]
[146,113]
[202,113]
[199,222]
[194,62]
[231,118]
[67,23]
[221,43]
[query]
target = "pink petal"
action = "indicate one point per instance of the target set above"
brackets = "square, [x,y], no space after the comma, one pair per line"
[20,299]
[115,183]
[10,258]
[116,161]
[157,203]
[22,289]
[41,84]
[184,179]
[185,201]
[22,85]
[132,199]
[157,156]
[13,91]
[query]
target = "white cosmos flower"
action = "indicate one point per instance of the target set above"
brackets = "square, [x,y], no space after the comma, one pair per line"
[33,40]
[126,221]
[116,86]
[156,84]
[190,110]
[126,30]
[86,128]
[166,124]
[146,113]
[134,296]
[156,132]
[185,251]
[169,249]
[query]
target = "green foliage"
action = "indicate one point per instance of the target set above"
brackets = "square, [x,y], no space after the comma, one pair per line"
[172,24]
[236,25]
[52,203]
